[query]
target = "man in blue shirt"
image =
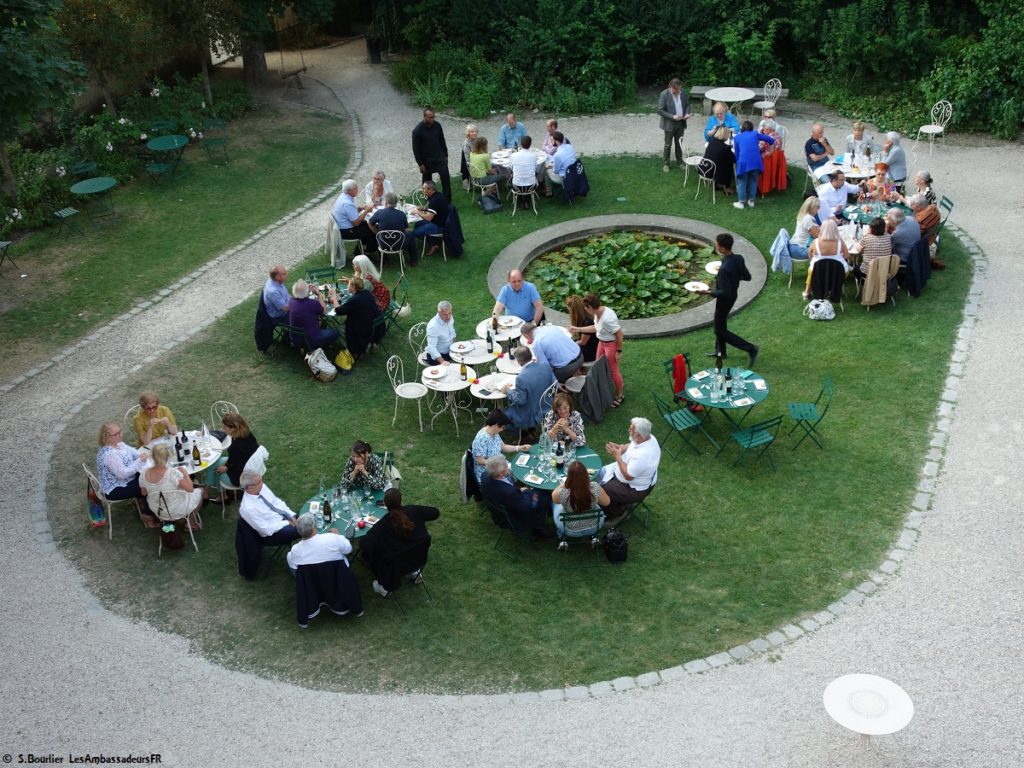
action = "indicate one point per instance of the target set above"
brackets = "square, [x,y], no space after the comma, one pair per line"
[564,156]
[351,219]
[553,346]
[511,133]
[817,150]
[440,335]
[275,295]
[519,298]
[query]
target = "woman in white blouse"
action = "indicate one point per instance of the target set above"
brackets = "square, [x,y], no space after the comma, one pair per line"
[377,188]
[609,340]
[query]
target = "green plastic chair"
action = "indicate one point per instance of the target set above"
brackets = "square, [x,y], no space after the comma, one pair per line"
[809,415]
[757,439]
[215,137]
[680,420]
[677,397]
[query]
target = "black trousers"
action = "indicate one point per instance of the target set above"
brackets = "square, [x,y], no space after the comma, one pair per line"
[723,335]
[441,169]
[362,233]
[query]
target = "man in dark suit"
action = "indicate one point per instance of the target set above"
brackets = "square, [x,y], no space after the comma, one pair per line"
[524,406]
[526,509]
[727,284]
[431,152]
[674,108]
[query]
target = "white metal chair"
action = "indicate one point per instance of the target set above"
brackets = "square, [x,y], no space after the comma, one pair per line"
[812,179]
[405,390]
[772,92]
[706,177]
[418,343]
[219,410]
[693,161]
[256,463]
[173,506]
[942,111]
[391,242]
[518,192]
[129,420]
[547,397]
[108,504]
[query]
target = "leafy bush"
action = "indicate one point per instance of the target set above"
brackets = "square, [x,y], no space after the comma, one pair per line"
[41,176]
[637,274]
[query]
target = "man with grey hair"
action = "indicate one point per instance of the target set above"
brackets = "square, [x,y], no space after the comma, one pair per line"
[319,564]
[440,335]
[350,218]
[263,519]
[526,509]
[553,346]
[315,547]
[634,471]
[895,157]
[525,408]
[905,233]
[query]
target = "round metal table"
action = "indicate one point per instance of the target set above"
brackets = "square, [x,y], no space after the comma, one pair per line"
[525,468]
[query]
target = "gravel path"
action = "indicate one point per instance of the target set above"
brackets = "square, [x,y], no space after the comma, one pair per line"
[946,626]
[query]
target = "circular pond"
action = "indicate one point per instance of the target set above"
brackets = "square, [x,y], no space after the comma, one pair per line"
[519,254]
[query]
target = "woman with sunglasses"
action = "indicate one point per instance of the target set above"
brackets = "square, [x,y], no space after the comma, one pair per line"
[153,420]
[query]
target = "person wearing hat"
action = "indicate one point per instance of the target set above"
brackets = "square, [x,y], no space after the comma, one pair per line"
[879,188]
[488,442]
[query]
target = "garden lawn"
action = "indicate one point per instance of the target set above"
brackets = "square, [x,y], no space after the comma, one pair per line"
[732,552]
[279,159]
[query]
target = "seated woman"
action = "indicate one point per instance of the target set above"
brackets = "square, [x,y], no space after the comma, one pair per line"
[780,129]
[923,182]
[363,267]
[487,176]
[305,311]
[153,420]
[363,469]
[718,152]
[578,318]
[806,228]
[773,158]
[243,445]
[895,157]
[875,244]
[721,118]
[118,464]
[563,423]
[878,187]
[160,477]
[386,546]
[827,245]
[376,189]
[360,310]
[488,442]
[577,494]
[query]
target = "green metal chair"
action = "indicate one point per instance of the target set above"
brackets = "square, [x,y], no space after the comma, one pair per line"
[284,333]
[499,512]
[215,137]
[809,415]
[679,421]
[677,397]
[83,170]
[946,205]
[163,126]
[160,172]
[321,275]
[66,218]
[757,438]
[399,296]
[636,510]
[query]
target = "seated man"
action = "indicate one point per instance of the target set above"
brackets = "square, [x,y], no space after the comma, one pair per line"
[525,409]
[720,116]
[440,335]
[634,472]
[834,195]
[905,233]
[350,218]
[817,150]
[526,509]
[549,139]
[433,216]
[520,298]
[275,295]
[564,156]
[313,547]
[390,219]
[511,134]
[339,591]
[927,217]
[263,519]
[525,170]
[305,311]
[550,345]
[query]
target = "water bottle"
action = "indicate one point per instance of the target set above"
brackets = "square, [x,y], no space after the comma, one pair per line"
[545,445]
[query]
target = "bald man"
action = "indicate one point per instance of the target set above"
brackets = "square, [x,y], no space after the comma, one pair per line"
[520,298]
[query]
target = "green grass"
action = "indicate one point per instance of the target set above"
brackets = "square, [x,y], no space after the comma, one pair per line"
[731,553]
[160,233]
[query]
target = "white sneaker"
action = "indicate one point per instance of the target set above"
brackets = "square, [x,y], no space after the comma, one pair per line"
[750,203]
[563,545]
[738,204]
[379,589]
[665,168]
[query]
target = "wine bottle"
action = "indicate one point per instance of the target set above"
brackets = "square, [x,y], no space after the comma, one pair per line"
[462,370]
[196,458]
[327,511]
[177,448]
[490,342]
[494,323]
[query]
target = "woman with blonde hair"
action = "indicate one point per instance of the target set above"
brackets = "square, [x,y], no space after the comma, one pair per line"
[578,317]
[160,477]
[376,189]
[806,228]
[363,267]
[118,464]
[827,245]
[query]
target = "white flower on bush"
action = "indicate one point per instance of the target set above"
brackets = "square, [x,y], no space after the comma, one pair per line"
[143,137]
[200,134]
[110,147]
[203,104]
[122,121]
[155,93]
[15,214]
[192,132]
[61,170]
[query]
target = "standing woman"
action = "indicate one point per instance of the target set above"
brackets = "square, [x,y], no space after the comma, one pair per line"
[153,419]
[118,464]
[578,317]
[605,324]
[746,145]
[363,267]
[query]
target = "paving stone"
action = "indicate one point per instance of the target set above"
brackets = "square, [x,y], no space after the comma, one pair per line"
[934,454]
[741,652]
[48,548]
[647,679]
[696,666]
[898,555]
[775,638]
[914,521]
[577,693]
[952,382]
[943,425]
[624,683]
[853,597]
[41,526]
[878,578]
[939,440]
[719,659]
[672,673]
[603,688]
[31,372]
[6,387]
[922,501]
[168,291]
[808,625]
[824,617]
[948,395]
[792,631]
[889,566]
[553,694]
[906,539]
[930,469]
[867,587]
[759,645]
[527,697]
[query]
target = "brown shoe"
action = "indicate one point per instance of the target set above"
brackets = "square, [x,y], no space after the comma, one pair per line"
[937,264]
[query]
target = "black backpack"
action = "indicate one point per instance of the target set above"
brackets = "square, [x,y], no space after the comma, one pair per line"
[616,546]
[490,203]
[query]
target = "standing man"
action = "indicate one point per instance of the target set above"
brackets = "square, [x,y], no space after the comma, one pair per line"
[431,152]
[275,295]
[511,134]
[817,149]
[732,272]
[674,108]
[552,346]
[520,298]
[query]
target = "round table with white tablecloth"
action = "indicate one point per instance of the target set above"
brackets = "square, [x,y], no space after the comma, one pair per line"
[509,328]
[447,380]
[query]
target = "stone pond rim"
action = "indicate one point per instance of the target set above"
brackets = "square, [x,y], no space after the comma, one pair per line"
[519,254]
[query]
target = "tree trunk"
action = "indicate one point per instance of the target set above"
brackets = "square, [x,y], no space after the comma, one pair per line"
[107,95]
[10,186]
[254,63]
[203,56]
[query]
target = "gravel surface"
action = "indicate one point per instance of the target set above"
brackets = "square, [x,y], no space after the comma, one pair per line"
[946,627]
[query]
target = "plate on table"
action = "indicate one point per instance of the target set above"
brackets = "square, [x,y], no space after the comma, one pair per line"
[434,373]
[508,321]
[532,478]
[371,519]
[462,347]
[523,460]
[743,402]
[712,267]
[695,285]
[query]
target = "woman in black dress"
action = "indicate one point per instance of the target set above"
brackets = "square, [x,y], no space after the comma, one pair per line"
[397,545]
[243,446]
[722,156]
[360,310]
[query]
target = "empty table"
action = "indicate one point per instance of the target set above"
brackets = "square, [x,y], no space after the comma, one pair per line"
[99,186]
[730,96]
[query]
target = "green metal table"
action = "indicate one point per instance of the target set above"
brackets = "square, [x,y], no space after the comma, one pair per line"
[172,145]
[348,511]
[527,469]
[698,390]
[98,186]
[857,213]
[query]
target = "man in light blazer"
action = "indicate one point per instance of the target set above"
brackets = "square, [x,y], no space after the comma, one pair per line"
[674,108]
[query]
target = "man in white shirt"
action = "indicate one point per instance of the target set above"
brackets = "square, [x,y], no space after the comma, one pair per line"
[833,195]
[440,335]
[315,547]
[634,472]
[313,590]
[524,165]
[263,519]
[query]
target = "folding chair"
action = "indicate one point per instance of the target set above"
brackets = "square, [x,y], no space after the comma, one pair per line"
[4,246]
[809,415]
[757,436]
[679,421]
